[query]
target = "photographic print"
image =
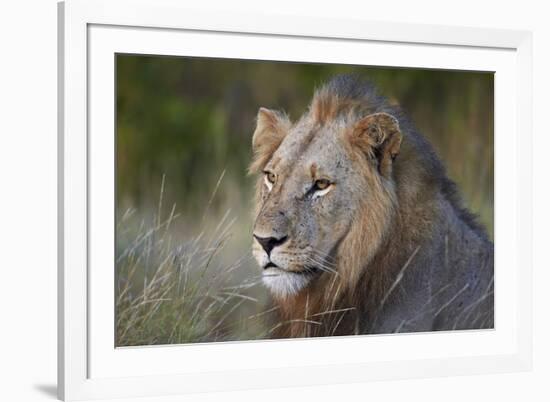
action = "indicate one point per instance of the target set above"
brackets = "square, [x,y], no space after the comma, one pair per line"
[265,200]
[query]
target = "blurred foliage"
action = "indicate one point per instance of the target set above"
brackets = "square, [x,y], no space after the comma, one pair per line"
[192,119]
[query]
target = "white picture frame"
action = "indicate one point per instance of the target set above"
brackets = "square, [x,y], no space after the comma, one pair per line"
[90,367]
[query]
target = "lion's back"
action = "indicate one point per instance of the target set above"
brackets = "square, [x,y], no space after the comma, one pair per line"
[448,285]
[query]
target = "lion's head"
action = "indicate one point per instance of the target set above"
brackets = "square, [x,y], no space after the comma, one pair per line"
[325,193]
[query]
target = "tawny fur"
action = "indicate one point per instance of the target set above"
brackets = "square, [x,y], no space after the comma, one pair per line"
[398,249]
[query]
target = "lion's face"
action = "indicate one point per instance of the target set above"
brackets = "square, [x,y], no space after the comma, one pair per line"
[313,184]
[306,208]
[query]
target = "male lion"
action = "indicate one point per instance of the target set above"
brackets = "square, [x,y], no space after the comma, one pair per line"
[358,229]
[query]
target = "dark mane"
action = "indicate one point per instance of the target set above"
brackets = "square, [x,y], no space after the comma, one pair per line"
[349,94]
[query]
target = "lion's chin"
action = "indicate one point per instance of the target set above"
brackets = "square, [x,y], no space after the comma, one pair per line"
[284,284]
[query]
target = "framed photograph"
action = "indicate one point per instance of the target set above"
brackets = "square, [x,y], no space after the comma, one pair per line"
[255,201]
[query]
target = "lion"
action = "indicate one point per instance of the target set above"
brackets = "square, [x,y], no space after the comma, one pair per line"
[358,229]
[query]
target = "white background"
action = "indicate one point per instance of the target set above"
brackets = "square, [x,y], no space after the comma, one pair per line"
[28,200]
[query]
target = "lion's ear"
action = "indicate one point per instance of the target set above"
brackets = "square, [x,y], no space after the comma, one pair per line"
[380,137]
[271,128]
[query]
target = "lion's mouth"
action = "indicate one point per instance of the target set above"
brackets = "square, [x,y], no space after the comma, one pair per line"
[271,265]
[305,271]
[283,281]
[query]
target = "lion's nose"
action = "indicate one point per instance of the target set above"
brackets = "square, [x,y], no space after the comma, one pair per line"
[269,243]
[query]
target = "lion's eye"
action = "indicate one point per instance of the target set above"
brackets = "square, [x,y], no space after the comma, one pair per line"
[269,178]
[320,188]
[321,184]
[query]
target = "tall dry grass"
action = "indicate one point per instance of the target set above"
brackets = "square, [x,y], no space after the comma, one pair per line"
[174,288]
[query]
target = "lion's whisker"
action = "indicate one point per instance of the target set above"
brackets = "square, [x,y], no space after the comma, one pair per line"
[321,259]
[320,265]
[329,259]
